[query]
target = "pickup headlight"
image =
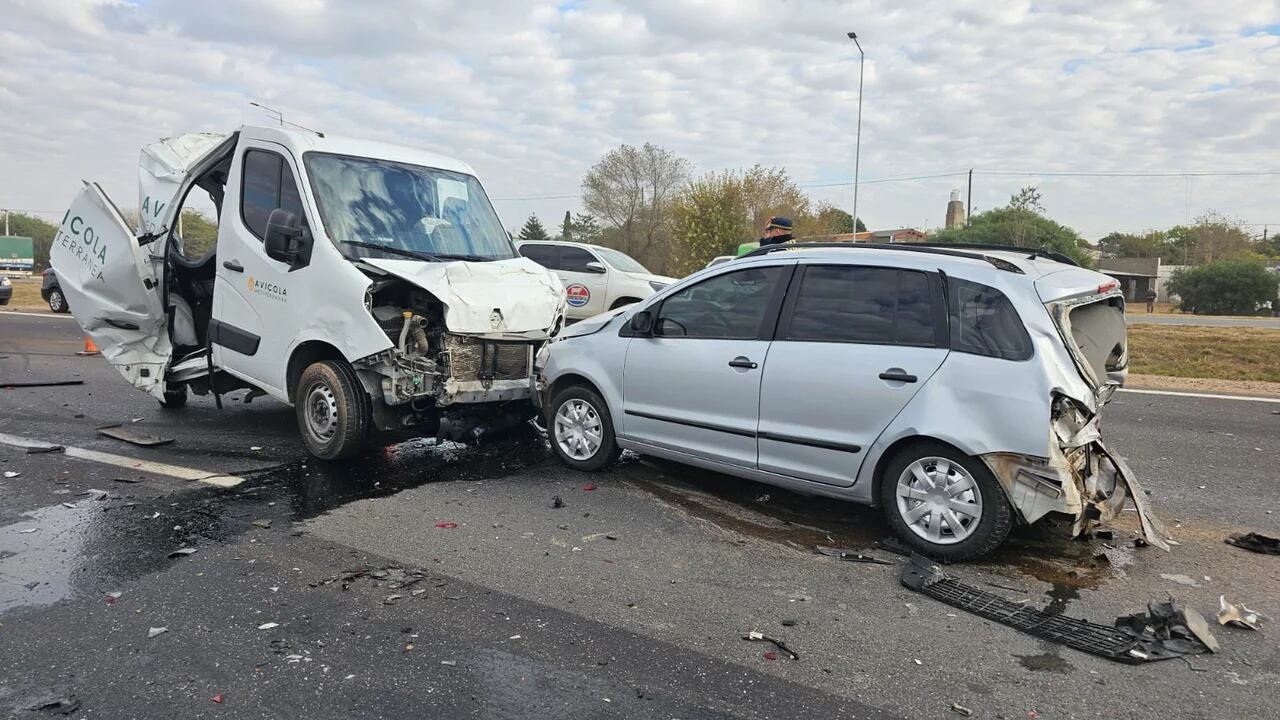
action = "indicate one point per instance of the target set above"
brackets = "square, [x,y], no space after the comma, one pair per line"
[4,281]
[657,286]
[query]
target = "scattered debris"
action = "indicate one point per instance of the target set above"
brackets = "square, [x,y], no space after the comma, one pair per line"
[589,487]
[69,506]
[32,585]
[1129,644]
[268,625]
[152,632]
[1181,579]
[770,654]
[38,449]
[264,524]
[132,436]
[112,597]
[217,698]
[41,383]
[61,706]
[10,474]
[556,503]
[959,709]
[183,552]
[28,531]
[1166,630]
[127,480]
[763,498]
[446,525]
[514,637]
[789,622]
[255,448]
[391,599]
[1256,542]
[755,636]
[1237,615]
[850,555]
[450,663]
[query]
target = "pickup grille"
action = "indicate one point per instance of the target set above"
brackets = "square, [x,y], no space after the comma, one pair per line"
[475,359]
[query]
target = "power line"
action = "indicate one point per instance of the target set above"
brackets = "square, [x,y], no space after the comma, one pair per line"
[1131,173]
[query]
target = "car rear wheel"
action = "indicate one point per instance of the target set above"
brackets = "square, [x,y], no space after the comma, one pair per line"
[944,503]
[333,410]
[58,301]
[580,429]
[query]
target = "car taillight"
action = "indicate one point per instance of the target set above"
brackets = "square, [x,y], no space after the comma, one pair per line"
[1108,286]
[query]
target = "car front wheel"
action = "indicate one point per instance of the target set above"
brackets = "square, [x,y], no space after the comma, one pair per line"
[58,302]
[580,429]
[944,503]
[333,410]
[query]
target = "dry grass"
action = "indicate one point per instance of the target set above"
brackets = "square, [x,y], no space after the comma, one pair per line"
[26,295]
[1228,353]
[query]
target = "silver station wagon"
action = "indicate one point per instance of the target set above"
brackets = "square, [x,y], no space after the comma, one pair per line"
[956,387]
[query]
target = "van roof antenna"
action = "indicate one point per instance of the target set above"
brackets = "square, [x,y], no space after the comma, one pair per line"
[280,118]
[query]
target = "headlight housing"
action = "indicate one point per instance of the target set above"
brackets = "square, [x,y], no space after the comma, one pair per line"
[4,281]
[657,286]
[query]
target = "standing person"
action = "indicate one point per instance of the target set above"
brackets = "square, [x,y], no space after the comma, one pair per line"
[1151,301]
[776,231]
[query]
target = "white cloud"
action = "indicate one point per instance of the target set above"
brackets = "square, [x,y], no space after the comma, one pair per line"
[531,93]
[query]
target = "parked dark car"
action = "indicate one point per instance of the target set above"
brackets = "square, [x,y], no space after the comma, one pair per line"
[6,290]
[52,294]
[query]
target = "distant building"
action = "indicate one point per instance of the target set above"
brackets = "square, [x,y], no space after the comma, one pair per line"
[955,211]
[1137,276]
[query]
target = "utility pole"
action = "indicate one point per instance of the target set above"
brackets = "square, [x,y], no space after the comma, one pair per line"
[6,224]
[857,152]
[968,203]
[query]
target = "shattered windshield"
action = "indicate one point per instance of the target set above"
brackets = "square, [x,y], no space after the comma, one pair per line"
[369,204]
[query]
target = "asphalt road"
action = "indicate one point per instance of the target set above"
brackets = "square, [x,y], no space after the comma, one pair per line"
[1216,321]
[628,601]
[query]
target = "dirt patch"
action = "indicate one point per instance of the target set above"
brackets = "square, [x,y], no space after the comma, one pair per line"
[1192,351]
[1205,385]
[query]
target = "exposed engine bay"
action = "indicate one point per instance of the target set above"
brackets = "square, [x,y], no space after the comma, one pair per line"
[464,381]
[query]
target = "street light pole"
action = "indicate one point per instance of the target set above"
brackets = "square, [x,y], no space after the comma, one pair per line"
[857,152]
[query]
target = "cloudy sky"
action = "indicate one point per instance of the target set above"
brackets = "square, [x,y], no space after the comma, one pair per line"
[531,93]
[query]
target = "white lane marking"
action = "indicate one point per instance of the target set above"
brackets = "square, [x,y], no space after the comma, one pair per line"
[174,471]
[1210,396]
[39,315]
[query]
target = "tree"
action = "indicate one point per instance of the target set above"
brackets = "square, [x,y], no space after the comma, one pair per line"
[566,227]
[533,230]
[1128,245]
[631,189]
[40,231]
[199,233]
[1225,287]
[585,229]
[1020,224]
[1211,237]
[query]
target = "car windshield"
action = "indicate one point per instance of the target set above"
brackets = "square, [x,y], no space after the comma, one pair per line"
[622,261]
[373,204]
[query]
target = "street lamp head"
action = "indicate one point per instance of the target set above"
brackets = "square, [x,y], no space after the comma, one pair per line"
[853,35]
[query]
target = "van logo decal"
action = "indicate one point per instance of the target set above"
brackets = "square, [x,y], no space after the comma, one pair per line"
[83,241]
[577,295]
[267,289]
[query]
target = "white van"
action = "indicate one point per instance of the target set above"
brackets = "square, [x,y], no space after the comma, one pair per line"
[370,286]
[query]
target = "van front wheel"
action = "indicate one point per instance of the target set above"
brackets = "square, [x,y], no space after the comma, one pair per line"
[333,410]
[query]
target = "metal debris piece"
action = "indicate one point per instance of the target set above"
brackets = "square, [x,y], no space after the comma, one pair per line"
[1257,542]
[156,631]
[264,524]
[268,625]
[28,531]
[850,555]
[10,474]
[126,480]
[755,636]
[391,599]
[132,436]
[41,383]
[1236,615]
[182,552]
[1181,579]
[1167,629]
[959,709]
[926,577]
[450,663]
[61,706]
[39,449]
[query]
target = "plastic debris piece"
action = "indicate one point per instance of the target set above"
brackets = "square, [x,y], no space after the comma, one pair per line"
[1181,579]
[756,636]
[38,449]
[268,625]
[417,591]
[152,632]
[556,503]
[770,654]
[1256,542]
[112,597]
[127,480]
[450,663]
[183,552]
[391,599]
[1236,615]
[789,622]
[61,706]
[514,637]
[132,436]
[589,487]
[264,524]
[43,383]
[217,698]
[850,555]
[446,525]
[959,709]
[255,448]
[69,505]
[28,531]
[10,474]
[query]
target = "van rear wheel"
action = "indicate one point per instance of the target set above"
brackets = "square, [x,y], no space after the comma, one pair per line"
[333,410]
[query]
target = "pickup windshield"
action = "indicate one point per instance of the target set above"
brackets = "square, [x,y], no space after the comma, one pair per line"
[368,205]
[622,261]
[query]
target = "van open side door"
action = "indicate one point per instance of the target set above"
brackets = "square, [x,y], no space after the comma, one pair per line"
[113,288]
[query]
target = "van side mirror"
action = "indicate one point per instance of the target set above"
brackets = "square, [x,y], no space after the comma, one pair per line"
[594,267]
[641,324]
[284,237]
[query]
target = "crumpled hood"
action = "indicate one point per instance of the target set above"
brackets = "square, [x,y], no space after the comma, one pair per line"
[503,296]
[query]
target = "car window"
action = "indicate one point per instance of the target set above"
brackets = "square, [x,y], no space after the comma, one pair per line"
[267,183]
[544,255]
[732,306]
[575,259]
[853,304]
[984,322]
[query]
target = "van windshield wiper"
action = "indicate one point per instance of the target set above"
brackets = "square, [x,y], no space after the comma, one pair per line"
[468,258]
[417,255]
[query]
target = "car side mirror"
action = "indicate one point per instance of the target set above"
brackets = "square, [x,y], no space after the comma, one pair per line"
[284,236]
[642,324]
[594,267]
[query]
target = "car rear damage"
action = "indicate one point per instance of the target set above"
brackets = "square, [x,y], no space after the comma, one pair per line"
[1080,482]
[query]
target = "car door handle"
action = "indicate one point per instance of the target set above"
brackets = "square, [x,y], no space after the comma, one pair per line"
[742,362]
[232,265]
[897,375]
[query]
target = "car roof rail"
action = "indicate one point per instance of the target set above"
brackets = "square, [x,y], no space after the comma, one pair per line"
[931,248]
[1032,253]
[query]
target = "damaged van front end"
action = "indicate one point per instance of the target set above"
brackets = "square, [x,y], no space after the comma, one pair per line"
[1081,482]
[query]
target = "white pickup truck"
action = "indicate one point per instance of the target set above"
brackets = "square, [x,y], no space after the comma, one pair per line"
[370,286]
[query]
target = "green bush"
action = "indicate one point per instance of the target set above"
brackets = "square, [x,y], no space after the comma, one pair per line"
[1226,287]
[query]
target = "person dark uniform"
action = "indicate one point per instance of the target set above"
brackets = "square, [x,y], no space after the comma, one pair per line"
[776,231]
